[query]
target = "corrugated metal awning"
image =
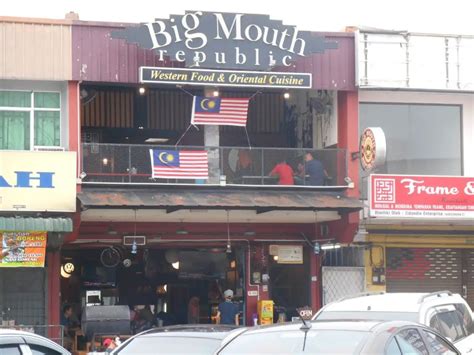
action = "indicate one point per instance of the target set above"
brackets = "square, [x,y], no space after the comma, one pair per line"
[29,224]
[262,200]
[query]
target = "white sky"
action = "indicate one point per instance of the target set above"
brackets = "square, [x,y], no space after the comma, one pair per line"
[437,16]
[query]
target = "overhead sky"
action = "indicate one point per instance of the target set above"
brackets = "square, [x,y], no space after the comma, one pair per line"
[438,16]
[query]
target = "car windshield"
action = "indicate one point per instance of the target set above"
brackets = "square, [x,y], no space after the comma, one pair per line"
[291,342]
[152,345]
[368,315]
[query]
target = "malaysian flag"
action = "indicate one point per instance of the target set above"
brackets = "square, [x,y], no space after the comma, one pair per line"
[182,164]
[222,112]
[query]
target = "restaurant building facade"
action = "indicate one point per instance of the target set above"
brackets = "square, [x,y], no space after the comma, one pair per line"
[127,94]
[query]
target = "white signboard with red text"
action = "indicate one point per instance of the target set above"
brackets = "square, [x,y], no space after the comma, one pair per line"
[415,196]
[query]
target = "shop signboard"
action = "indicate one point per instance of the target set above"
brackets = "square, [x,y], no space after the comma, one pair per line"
[225,40]
[423,197]
[37,181]
[290,254]
[209,77]
[23,249]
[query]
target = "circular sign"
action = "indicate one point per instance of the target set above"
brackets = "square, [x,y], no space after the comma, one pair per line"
[373,148]
[69,268]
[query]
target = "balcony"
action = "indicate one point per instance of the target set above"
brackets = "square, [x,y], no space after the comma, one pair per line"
[120,164]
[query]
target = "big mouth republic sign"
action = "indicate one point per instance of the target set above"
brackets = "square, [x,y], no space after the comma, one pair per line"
[225,40]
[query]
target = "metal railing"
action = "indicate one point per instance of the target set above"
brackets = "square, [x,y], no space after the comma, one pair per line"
[52,332]
[131,164]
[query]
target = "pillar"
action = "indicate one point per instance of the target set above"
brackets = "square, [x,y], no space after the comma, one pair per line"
[315,281]
[53,264]
[212,139]
[74,119]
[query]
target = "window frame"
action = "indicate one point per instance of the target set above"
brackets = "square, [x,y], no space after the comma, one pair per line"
[32,111]
[441,310]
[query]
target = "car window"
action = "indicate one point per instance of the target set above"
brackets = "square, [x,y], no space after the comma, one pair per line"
[393,348]
[368,315]
[437,345]
[449,324]
[466,317]
[291,342]
[149,345]
[42,350]
[10,349]
[411,342]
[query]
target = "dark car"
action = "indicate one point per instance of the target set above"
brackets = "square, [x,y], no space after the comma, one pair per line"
[339,337]
[181,339]
[15,342]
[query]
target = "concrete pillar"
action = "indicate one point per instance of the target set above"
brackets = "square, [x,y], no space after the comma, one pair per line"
[212,139]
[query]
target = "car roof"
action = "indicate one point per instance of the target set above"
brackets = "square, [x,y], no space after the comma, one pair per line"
[355,325]
[190,331]
[398,301]
[21,333]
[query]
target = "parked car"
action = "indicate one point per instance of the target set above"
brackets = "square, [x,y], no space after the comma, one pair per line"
[443,311]
[15,342]
[339,337]
[181,339]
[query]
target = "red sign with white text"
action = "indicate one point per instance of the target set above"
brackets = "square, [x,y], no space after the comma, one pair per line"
[415,196]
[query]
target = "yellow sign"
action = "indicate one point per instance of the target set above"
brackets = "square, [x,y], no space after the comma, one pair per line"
[23,249]
[37,181]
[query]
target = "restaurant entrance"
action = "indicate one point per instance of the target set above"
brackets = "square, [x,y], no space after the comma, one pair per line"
[161,286]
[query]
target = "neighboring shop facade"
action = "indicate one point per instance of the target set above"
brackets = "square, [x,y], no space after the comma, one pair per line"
[419,90]
[38,177]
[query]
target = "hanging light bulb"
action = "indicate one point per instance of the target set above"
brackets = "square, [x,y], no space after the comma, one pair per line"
[228,249]
[175,265]
[134,247]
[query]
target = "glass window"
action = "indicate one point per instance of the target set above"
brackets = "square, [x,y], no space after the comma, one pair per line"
[42,350]
[436,345]
[47,128]
[421,139]
[14,130]
[393,348]
[149,345]
[15,99]
[449,324]
[411,343]
[10,349]
[47,100]
[292,341]
[466,317]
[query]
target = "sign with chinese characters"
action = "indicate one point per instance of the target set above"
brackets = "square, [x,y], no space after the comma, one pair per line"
[160,75]
[23,249]
[37,181]
[290,254]
[225,40]
[373,148]
[414,196]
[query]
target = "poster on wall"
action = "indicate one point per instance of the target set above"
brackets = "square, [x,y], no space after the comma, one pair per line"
[290,254]
[417,196]
[23,249]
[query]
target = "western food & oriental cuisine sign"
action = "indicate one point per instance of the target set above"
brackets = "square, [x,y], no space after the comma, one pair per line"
[407,196]
[23,249]
[161,75]
[225,40]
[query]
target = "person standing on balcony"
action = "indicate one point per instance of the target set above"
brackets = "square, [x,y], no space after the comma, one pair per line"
[314,170]
[284,172]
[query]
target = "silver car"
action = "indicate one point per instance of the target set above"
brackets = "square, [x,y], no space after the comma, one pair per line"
[339,337]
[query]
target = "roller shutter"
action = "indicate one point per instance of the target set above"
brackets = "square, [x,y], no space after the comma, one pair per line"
[424,270]
[469,275]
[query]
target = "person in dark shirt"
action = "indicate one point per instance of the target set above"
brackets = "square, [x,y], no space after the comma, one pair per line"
[284,172]
[228,312]
[315,171]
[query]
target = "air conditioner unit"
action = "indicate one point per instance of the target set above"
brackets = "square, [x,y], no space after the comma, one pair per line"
[138,239]
[48,149]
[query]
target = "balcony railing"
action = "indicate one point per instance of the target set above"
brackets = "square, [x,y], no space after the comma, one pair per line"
[131,164]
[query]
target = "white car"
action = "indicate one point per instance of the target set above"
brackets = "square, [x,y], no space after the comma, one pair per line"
[447,313]
[15,342]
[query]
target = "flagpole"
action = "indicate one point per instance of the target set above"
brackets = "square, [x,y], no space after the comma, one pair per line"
[179,140]
[248,139]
